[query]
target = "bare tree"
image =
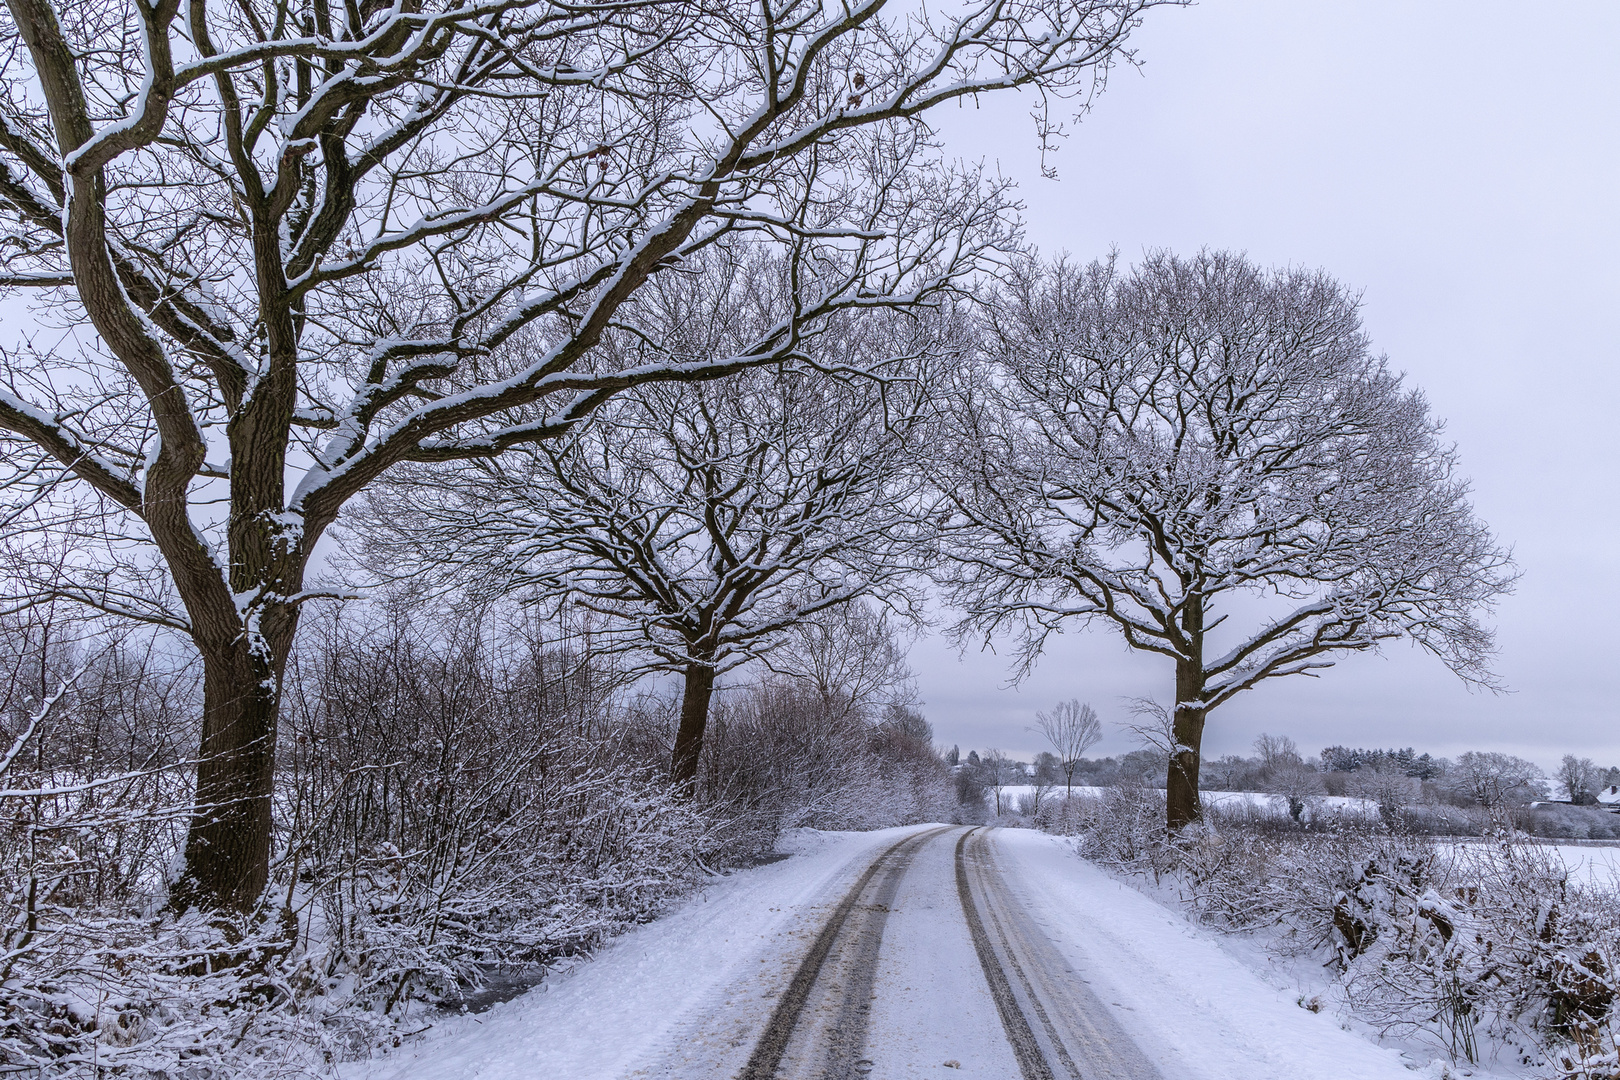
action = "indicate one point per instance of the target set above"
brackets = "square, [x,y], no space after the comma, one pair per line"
[1072,729]
[315,241]
[1140,446]
[1494,780]
[701,522]
[854,655]
[995,770]
[1276,751]
[1284,772]
[1296,782]
[1578,778]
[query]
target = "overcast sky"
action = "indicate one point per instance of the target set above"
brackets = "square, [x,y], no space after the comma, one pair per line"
[1458,163]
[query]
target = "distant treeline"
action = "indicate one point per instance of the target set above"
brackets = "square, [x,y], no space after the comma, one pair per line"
[1406,762]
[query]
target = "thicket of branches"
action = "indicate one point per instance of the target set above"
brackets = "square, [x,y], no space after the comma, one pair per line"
[463,789]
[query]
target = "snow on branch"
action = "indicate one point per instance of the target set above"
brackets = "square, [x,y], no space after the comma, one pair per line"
[1138,448]
[1166,447]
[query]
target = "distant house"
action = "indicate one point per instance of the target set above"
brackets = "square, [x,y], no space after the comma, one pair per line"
[1609,796]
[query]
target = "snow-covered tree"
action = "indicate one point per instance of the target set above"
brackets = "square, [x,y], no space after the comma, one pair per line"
[1578,778]
[1296,782]
[299,243]
[1389,789]
[1407,760]
[1494,779]
[997,771]
[704,523]
[853,654]
[1143,447]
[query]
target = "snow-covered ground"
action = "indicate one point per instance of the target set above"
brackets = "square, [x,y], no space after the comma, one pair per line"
[1276,804]
[1590,864]
[687,995]
[1593,865]
[603,1018]
[1204,1011]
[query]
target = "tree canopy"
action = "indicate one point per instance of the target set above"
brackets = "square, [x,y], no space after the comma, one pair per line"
[1139,447]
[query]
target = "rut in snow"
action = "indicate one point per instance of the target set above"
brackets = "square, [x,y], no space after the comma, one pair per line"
[1057,1029]
[1056,1025]
[843,1001]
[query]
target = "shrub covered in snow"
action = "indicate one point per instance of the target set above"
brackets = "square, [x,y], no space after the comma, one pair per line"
[445,808]
[778,755]
[1481,947]
[1565,821]
[462,793]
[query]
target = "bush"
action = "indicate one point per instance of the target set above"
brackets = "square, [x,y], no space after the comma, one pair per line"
[458,792]
[779,756]
[444,808]
[1460,944]
[1559,821]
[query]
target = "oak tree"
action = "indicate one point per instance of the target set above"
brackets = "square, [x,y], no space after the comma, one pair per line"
[706,525]
[1170,449]
[293,244]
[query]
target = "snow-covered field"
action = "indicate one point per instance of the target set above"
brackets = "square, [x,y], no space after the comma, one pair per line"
[1593,865]
[1276,804]
[684,996]
[1590,864]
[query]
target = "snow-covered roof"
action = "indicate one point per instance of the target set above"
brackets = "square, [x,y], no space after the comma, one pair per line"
[1610,796]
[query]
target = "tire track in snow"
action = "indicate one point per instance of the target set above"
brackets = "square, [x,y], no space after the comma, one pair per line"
[1031,1063]
[1070,1021]
[849,1001]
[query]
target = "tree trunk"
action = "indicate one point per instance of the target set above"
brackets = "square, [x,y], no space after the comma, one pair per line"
[694,718]
[1181,787]
[244,653]
[1187,725]
[228,848]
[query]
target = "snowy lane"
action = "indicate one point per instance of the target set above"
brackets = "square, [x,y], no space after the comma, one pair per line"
[932,1003]
[819,1026]
[890,987]
[929,951]
[1059,1029]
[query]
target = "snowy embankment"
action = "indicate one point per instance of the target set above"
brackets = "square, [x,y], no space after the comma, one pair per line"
[1204,1013]
[706,976]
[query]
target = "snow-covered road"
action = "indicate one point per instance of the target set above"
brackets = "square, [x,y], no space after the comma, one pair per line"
[922,952]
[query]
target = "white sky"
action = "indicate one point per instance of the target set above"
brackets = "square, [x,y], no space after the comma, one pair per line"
[1458,162]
